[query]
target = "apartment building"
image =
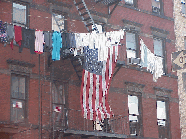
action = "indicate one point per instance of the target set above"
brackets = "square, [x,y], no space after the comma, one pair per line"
[179,26]
[40,97]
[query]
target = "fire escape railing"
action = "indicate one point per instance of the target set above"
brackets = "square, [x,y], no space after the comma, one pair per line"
[75,122]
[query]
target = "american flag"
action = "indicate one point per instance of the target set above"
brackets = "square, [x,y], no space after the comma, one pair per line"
[96,80]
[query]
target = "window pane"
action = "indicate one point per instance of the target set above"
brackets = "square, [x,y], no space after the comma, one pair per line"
[158,50]
[133,104]
[22,88]
[130,41]
[161,110]
[17,114]
[133,118]
[57,22]
[129,1]
[15,87]
[131,53]
[156,3]
[61,95]
[55,94]
[19,13]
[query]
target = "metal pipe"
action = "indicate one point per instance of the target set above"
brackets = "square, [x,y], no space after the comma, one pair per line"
[39,115]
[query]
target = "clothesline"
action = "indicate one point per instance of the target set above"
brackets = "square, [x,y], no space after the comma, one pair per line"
[26,38]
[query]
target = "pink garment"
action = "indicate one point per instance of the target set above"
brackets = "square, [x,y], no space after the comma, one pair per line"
[39,41]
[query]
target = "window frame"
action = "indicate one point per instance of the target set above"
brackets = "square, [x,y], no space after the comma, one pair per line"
[135,3]
[167,123]
[164,52]
[136,41]
[27,13]
[59,117]
[140,116]
[24,100]
[62,14]
[161,12]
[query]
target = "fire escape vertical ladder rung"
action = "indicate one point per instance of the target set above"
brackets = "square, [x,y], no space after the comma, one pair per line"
[77,67]
[84,13]
[86,19]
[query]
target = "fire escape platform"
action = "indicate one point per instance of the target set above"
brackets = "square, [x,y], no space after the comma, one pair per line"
[108,2]
[94,133]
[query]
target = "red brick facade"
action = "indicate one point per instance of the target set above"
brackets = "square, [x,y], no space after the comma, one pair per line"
[129,79]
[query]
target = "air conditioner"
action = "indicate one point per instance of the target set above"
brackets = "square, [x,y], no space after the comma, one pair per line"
[155,9]
[133,61]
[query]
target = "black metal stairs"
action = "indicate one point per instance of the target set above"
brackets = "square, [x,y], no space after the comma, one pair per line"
[77,63]
[85,15]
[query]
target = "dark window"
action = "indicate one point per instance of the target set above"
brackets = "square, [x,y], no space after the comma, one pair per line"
[131,45]
[157,6]
[18,98]
[134,110]
[58,96]
[131,2]
[183,6]
[159,50]
[162,118]
[20,14]
[103,125]
[58,22]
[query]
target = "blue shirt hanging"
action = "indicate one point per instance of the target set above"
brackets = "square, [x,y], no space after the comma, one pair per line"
[57,45]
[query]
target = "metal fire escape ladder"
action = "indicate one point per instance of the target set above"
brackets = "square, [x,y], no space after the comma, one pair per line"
[58,21]
[85,15]
[77,63]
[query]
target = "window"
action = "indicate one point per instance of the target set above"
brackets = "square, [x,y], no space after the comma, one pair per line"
[158,50]
[157,6]
[20,14]
[18,98]
[58,97]
[131,45]
[134,114]
[162,117]
[58,22]
[130,2]
[102,125]
[183,6]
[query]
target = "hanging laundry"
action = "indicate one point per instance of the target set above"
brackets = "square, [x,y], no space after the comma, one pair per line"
[72,40]
[158,69]
[48,40]
[3,32]
[153,63]
[66,40]
[18,34]
[28,39]
[57,45]
[39,41]
[143,49]
[10,32]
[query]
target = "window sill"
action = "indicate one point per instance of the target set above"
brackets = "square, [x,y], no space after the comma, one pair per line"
[138,68]
[145,11]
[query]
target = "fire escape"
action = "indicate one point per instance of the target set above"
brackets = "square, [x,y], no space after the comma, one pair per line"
[74,123]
